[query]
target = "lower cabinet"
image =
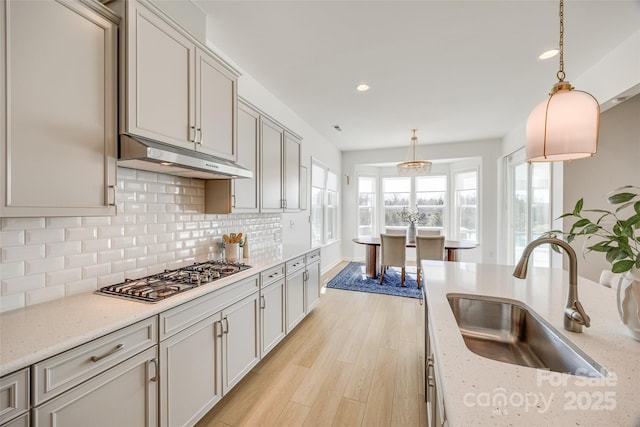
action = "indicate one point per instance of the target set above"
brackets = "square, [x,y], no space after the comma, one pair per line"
[240,340]
[294,289]
[312,280]
[202,362]
[125,395]
[191,380]
[272,318]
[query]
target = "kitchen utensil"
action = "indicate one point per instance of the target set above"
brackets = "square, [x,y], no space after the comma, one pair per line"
[238,237]
[225,238]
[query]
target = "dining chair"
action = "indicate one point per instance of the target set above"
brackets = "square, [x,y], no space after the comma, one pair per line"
[389,230]
[393,252]
[424,232]
[428,247]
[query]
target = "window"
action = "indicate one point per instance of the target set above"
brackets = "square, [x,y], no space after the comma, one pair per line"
[366,206]
[324,205]
[396,194]
[431,193]
[529,207]
[466,200]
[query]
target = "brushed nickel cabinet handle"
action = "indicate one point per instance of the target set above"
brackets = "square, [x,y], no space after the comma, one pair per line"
[226,321]
[113,191]
[192,133]
[109,353]
[155,369]
[198,140]
[263,302]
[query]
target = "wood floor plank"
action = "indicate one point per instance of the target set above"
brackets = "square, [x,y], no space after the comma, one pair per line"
[363,369]
[349,414]
[406,408]
[309,387]
[270,404]
[329,396]
[379,404]
[293,415]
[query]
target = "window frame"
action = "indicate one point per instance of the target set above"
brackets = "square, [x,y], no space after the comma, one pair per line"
[456,206]
[325,208]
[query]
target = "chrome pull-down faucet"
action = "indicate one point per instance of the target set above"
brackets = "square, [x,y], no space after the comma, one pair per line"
[574,314]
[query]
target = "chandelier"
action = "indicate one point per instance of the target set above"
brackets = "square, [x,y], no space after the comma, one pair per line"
[565,126]
[414,167]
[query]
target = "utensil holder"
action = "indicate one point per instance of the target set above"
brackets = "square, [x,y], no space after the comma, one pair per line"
[232,251]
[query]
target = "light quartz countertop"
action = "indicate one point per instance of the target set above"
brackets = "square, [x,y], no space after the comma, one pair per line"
[34,333]
[480,391]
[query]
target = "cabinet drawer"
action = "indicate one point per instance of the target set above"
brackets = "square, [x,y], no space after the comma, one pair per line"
[295,264]
[14,395]
[185,315]
[271,275]
[312,257]
[66,370]
[22,421]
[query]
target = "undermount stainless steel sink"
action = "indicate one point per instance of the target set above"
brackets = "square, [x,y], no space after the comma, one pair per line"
[508,331]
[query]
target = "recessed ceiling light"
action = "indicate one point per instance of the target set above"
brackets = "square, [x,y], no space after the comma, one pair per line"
[549,54]
[362,87]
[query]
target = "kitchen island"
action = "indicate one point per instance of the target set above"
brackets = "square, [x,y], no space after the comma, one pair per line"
[474,390]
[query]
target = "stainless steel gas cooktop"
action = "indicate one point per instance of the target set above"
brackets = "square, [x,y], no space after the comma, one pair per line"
[171,282]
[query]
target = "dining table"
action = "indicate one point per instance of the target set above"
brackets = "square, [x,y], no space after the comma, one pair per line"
[373,247]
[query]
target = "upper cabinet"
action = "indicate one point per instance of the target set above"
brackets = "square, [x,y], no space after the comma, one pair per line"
[280,168]
[175,90]
[223,196]
[58,108]
[291,172]
[271,166]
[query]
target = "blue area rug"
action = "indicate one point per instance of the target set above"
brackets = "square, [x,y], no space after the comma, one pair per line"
[353,278]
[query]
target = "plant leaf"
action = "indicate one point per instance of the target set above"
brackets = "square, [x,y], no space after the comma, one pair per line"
[616,199]
[578,207]
[622,266]
[590,229]
[612,255]
[636,206]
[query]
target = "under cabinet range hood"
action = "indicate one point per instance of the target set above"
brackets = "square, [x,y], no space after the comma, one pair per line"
[140,153]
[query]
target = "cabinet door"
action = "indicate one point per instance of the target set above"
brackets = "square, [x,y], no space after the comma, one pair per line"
[291,172]
[245,191]
[191,375]
[241,348]
[215,107]
[271,166]
[312,285]
[126,395]
[272,325]
[160,77]
[295,298]
[58,96]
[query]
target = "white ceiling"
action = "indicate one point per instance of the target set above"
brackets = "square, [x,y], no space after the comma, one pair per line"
[455,70]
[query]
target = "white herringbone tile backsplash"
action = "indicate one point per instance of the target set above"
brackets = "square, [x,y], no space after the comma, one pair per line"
[160,224]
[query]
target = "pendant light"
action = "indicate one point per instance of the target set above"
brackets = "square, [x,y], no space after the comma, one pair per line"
[565,126]
[414,167]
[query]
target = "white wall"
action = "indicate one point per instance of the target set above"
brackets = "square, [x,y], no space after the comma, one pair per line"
[616,163]
[487,151]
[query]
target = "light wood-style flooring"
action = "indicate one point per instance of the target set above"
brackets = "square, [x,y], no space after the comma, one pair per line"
[356,360]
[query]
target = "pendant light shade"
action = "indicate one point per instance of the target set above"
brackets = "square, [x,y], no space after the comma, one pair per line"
[413,167]
[563,127]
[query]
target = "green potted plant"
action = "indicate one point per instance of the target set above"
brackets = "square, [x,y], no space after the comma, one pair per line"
[615,234]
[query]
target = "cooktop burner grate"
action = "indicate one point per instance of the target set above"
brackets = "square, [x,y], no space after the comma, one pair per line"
[171,282]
